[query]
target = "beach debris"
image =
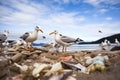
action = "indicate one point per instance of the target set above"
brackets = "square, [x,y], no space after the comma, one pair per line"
[3,66]
[55,68]
[41,49]
[83,68]
[62,75]
[45,59]
[96,63]
[67,58]
[16,77]
[23,68]
[75,67]
[16,57]
[115,48]
[38,68]
[71,78]
[89,60]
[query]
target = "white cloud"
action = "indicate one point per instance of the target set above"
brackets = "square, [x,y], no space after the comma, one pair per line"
[99,2]
[67,1]
[21,13]
[102,11]
[93,2]
[50,18]
[108,18]
[111,1]
[34,13]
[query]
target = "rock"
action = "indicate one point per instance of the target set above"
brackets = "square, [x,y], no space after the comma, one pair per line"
[68,58]
[115,48]
[3,66]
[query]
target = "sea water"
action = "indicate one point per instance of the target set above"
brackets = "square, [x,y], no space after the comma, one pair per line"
[82,47]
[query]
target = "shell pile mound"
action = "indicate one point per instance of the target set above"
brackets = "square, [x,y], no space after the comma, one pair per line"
[45,64]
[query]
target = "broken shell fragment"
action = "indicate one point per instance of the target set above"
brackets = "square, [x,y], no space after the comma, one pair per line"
[38,69]
[56,67]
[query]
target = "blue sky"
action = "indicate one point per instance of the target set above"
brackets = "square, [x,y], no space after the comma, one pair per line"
[74,18]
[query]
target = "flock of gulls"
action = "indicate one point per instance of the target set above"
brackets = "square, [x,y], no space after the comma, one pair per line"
[29,37]
[105,45]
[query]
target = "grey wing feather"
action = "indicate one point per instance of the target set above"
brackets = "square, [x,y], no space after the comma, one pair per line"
[3,37]
[24,37]
[67,39]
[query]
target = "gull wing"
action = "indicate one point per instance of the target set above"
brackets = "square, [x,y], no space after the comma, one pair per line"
[24,37]
[68,39]
[3,37]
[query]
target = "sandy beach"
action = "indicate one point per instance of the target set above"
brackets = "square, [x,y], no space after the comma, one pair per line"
[46,56]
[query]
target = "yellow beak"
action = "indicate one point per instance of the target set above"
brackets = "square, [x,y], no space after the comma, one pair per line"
[51,33]
[41,30]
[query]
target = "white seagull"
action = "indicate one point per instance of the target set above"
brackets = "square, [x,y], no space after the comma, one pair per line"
[3,39]
[117,42]
[18,43]
[64,40]
[30,37]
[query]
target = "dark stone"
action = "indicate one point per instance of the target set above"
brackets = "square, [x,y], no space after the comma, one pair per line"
[115,48]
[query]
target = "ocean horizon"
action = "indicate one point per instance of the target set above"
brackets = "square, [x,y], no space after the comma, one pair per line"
[82,47]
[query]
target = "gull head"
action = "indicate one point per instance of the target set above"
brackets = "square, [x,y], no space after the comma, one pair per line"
[38,29]
[54,32]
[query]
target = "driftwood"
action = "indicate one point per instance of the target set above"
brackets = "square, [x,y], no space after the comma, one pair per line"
[41,49]
[16,57]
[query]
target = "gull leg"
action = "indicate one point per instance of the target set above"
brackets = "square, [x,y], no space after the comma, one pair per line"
[30,47]
[63,50]
[26,46]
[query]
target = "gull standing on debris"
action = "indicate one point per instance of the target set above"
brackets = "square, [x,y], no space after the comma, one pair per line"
[3,39]
[64,40]
[4,36]
[104,44]
[49,45]
[29,37]
[18,43]
[117,42]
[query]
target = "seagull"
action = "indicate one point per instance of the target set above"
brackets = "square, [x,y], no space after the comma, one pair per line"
[4,36]
[108,42]
[117,42]
[49,45]
[3,39]
[30,37]
[18,43]
[43,37]
[100,31]
[64,40]
[105,44]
